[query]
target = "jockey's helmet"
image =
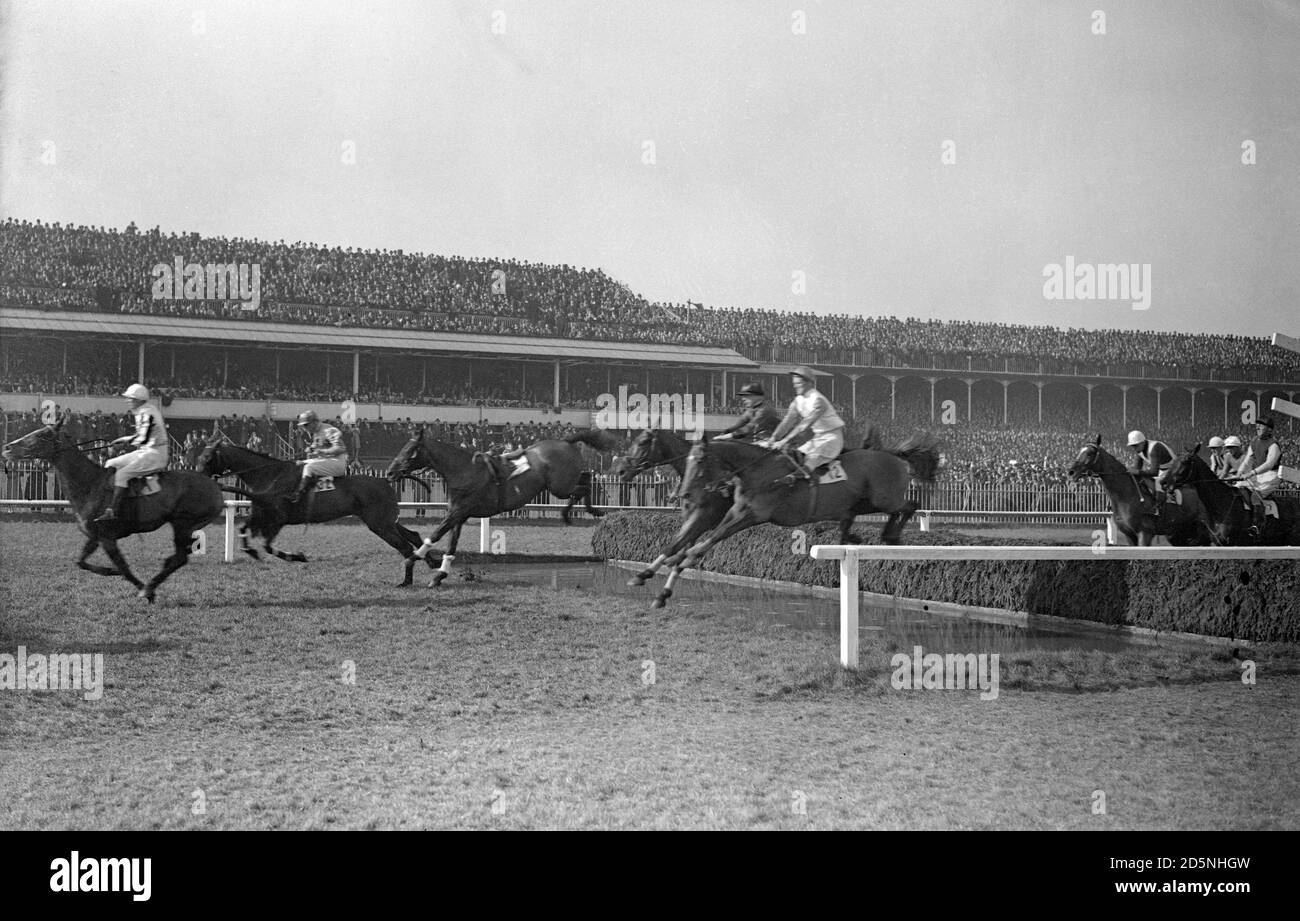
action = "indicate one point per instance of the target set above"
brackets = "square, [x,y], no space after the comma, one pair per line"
[752,390]
[136,392]
[1232,441]
[1216,442]
[1136,438]
[307,418]
[806,373]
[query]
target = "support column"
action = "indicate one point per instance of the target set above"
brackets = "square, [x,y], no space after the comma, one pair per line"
[1089,387]
[1159,390]
[969,399]
[1193,392]
[1225,408]
[854,379]
[65,360]
[1040,403]
[139,373]
[1123,389]
[173,374]
[1006,387]
[932,381]
[557,383]
[225,365]
[356,373]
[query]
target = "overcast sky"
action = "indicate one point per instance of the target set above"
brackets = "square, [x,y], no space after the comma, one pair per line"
[774,152]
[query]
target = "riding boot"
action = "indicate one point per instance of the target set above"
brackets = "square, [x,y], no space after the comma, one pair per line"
[113,510]
[307,482]
[791,479]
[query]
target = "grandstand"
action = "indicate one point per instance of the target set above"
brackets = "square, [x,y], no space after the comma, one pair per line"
[497,352]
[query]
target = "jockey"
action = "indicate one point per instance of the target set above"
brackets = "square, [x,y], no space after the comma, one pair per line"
[1218,463]
[759,420]
[1232,455]
[1152,460]
[150,442]
[326,454]
[1258,473]
[810,412]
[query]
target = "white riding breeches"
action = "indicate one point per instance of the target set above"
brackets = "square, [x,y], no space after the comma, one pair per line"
[1263,484]
[325,466]
[134,463]
[822,449]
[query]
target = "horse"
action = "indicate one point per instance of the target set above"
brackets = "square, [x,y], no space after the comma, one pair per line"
[868,480]
[271,482]
[187,501]
[474,489]
[1225,513]
[660,447]
[1181,525]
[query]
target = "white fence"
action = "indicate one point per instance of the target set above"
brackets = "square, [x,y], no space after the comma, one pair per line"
[849,555]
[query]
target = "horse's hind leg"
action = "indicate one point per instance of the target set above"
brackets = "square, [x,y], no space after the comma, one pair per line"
[86,551]
[181,543]
[892,532]
[392,535]
[114,554]
[444,570]
[584,492]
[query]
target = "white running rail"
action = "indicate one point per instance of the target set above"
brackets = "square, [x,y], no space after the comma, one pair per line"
[850,554]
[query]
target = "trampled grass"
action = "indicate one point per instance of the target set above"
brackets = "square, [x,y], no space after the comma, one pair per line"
[492,704]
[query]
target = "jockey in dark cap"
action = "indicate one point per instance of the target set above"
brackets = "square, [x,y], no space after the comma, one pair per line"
[760,418]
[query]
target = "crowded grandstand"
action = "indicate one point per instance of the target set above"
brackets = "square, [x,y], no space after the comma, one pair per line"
[474,349]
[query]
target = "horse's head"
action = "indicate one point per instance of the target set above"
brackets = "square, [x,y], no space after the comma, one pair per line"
[1188,469]
[1089,462]
[703,472]
[207,457]
[640,457]
[410,459]
[42,444]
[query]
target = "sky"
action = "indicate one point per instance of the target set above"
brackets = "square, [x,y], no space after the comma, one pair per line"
[798,148]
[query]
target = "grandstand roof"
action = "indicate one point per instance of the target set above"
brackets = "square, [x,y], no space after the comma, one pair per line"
[296,335]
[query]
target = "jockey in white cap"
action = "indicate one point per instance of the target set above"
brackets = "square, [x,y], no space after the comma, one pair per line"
[150,443]
[1232,454]
[810,413]
[1217,461]
[1152,461]
[327,455]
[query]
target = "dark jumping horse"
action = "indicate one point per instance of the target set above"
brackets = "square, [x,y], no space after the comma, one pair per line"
[1226,513]
[187,501]
[271,483]
[660,447]
[1180,524]
[874,481]
[473,490]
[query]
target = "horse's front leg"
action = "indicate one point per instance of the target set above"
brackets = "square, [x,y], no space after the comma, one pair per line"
[444,570]
[114,554]
[737,519]
[87,549]
[697,522]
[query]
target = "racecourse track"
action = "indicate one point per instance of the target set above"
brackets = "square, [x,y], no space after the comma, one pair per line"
[502,701]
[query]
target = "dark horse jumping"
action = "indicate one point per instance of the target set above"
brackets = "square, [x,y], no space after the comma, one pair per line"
[475,489]
[186,501]
[1226,513]
[872,481]
[271,484]
[1134,512]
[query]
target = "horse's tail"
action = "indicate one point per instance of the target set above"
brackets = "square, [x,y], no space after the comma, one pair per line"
[922,455]
[872,441]
[599,439]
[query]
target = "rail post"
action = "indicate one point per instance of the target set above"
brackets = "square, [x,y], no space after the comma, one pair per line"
[229,556]
[849,611]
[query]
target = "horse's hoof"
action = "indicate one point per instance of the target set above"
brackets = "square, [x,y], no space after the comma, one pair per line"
[437,579]
[635,582]
[407,584]
[145,593]
[657,603]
